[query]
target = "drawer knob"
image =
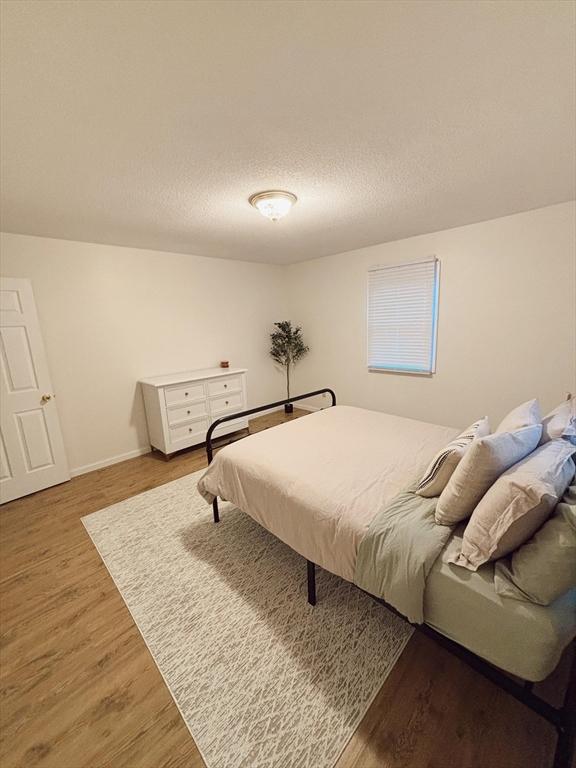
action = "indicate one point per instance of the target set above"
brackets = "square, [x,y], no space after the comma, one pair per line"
[188,412]
[225,386]
[226,402]
[189,429]
[185,394]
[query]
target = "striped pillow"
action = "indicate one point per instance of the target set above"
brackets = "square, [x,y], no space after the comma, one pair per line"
[445,462]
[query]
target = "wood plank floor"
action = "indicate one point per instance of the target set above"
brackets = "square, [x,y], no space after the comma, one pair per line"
[79,689]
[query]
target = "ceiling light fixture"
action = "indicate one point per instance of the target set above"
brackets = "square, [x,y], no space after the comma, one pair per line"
[274,204]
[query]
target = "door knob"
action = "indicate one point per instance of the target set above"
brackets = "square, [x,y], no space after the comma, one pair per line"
[45,398]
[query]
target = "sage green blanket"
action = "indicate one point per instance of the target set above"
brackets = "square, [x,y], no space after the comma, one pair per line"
[398,551]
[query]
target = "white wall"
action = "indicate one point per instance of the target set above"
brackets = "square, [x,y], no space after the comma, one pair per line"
[507,324]
[112,315]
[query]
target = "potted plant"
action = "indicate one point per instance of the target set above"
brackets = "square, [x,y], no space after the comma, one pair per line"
[287,347]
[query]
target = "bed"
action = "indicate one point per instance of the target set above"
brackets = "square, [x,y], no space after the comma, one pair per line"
[317,482]
[338,487]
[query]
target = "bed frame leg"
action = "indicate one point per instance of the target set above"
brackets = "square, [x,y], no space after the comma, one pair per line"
[565,746]
[215,510]
[311,582]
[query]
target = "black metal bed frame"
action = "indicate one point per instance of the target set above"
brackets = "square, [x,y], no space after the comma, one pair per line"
[251,412]
[562,718]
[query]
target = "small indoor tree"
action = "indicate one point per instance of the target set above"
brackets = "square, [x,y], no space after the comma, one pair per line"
[287,347]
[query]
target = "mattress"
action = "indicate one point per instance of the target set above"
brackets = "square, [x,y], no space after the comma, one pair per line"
[522,638]
[317,482]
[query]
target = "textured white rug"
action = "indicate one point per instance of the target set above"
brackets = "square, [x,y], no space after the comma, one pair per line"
[262,679]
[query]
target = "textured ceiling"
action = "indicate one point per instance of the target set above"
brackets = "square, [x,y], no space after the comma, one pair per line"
[150,123]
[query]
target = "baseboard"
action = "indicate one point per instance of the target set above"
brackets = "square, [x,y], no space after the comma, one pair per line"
[308,407]
[296,405]
[281,408]
[264,413]
[108,462]
[146,449]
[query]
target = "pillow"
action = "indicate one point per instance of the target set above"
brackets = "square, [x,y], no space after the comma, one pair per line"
[516,505]
[445,462]
[560,422]
[526,415]
[545,567]
[484,462]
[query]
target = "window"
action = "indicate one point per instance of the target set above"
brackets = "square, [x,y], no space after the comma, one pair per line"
[402,317]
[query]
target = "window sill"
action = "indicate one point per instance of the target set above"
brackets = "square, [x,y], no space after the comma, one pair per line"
[402,372]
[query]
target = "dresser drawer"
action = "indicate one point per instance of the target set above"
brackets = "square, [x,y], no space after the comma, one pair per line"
[184,393]
[224,385]
[186,432]
[226,404]
[187,412]
[181,406]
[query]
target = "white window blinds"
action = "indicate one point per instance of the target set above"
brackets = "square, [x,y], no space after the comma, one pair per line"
[402,317]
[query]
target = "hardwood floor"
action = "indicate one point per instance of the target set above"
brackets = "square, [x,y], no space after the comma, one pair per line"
[79,689]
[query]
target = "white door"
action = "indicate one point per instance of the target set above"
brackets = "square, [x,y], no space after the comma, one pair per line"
[31,449]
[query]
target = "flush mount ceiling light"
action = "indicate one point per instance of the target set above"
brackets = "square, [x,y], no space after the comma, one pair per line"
[274,203]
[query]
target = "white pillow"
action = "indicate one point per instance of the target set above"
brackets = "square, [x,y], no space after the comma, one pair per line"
[525,415]
[445,462]
[560,422]
[516,505]
[484,462]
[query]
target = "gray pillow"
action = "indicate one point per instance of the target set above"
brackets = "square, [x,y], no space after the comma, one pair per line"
[545,567]
[483,463]
[517,505]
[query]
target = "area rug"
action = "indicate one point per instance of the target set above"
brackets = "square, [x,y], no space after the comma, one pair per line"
[261,678]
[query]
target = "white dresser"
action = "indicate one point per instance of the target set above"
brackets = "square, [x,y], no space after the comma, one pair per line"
[180,407]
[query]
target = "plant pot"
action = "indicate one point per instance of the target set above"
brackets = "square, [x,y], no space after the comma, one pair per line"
[289,408]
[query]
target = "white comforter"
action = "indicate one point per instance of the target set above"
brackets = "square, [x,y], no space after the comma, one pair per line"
[317,482]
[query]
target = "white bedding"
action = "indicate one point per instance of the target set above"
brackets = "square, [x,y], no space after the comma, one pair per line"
[317,482]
